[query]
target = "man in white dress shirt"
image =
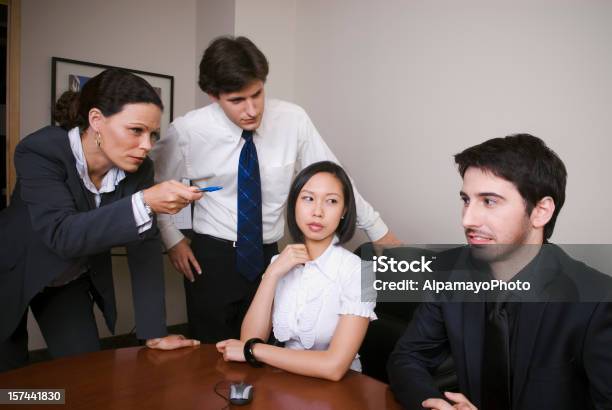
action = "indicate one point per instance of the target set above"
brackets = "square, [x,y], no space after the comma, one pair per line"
[208,146]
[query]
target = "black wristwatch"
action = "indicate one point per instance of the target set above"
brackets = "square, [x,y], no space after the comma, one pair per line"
[248,352]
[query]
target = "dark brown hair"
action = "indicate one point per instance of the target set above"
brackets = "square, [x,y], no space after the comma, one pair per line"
[229,64]
[528,163]
[346,227]
[108,91]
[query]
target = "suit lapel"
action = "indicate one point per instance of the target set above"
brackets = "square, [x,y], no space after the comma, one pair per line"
[85,199]
[532,313]
[82,197]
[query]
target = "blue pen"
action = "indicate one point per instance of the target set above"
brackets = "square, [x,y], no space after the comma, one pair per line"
[210,188]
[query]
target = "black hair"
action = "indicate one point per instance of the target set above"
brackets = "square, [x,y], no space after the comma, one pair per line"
[108,91]
[528,163]
[346,227]
[229,64]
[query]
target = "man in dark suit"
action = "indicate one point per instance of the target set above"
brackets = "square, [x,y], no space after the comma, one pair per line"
[541,354]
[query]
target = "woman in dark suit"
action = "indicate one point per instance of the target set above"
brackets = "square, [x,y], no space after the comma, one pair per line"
[81,189]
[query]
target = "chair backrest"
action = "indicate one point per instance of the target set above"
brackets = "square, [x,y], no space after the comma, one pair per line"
[393,319]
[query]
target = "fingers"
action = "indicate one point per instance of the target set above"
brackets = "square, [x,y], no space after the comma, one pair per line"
[194,262]
[389,239]
[170,196]
[301,258]
[182,259]
[152,343]
[298,252]
[188,193]
[456,397]
[185,267]
[462,402]
[298,247]
[181,264]
[223,348]
[177,341]
[172,342]
[186,270]
[175,262]
[188,342]
[436,404]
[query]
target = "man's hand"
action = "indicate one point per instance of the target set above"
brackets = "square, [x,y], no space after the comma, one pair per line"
[182,259]
[388,240]
[169,197]
[459,400]
[171,342]
[232,350]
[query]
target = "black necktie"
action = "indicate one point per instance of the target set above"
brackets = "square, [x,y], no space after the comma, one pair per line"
[249,245]
[496,392]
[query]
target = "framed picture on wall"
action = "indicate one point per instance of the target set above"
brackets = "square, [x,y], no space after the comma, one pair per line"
[72,75]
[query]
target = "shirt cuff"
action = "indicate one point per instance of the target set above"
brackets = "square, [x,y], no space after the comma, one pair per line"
[363,309]
[143,220]
[169,234]
[377,230]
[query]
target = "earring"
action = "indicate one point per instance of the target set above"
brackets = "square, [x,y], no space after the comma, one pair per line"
[98,141]
[342,217]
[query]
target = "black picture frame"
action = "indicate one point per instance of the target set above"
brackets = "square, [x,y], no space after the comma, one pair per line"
[67,73]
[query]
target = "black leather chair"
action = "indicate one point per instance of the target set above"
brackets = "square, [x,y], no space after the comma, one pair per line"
[393,319]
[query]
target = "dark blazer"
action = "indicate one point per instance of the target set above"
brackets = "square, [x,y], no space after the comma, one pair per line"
[563,351]
[52,222]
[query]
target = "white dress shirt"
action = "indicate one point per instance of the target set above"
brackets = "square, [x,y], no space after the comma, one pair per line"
[112,178]
[309,300]
[204,146]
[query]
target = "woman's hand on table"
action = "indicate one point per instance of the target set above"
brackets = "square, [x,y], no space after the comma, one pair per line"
[232,350]
[171,342]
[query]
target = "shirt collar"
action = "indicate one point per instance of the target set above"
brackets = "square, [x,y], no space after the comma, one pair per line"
[235,130]
[539,271]
[112,178]
[323,261]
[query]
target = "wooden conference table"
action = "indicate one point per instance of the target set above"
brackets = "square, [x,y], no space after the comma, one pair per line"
[141,378]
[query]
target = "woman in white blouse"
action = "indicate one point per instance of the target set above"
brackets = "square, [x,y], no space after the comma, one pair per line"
[310,295]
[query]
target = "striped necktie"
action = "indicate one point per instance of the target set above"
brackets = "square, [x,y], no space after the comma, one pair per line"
[249,246]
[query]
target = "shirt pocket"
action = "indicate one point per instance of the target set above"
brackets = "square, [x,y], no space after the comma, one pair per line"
[275,184]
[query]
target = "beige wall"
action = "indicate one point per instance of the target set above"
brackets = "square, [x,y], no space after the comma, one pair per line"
[396,87]
[150,35]
[213,18]
[271,25]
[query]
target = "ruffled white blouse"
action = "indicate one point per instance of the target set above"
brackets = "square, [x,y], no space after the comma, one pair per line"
[309,300]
